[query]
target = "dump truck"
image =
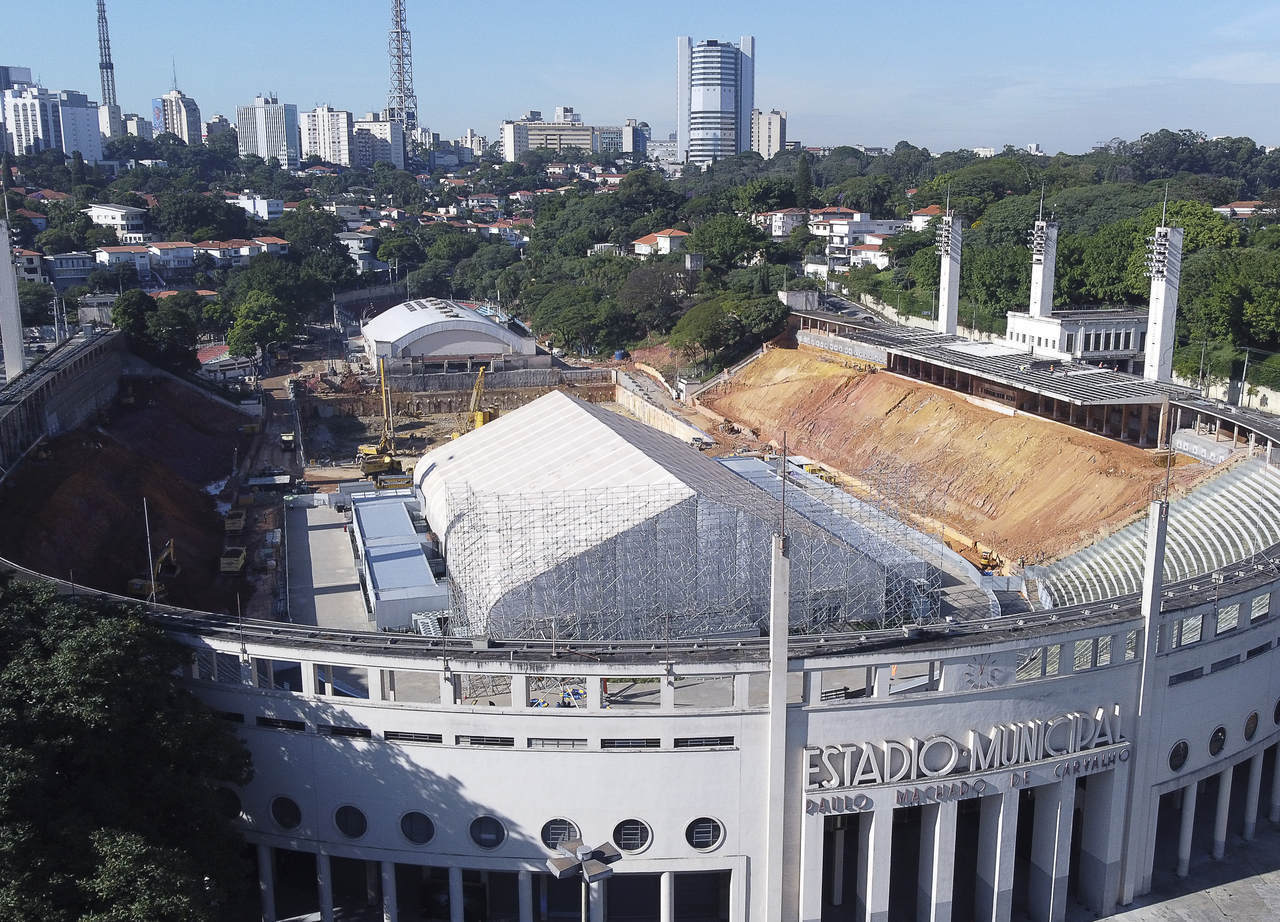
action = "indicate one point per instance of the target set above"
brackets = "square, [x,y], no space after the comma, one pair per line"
[288,441]
[232,560]
[233,524]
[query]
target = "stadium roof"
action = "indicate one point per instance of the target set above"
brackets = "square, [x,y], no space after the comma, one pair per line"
[409,321]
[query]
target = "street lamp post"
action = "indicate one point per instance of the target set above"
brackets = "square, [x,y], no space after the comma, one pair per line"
[587,863]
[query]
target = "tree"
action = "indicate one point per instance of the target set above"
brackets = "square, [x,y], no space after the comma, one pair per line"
[651,295]
[725,240]
[703,330]
[115,779]
[804,182]
[260,320]
[131,310]
[35,302]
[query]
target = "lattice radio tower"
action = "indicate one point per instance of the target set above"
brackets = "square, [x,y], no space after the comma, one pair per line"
[402,102]
[106,70]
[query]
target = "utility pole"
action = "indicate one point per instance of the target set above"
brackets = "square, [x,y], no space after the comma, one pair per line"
[1244,376]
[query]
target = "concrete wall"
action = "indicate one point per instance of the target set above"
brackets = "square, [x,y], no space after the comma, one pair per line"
[658,418]
[849,347]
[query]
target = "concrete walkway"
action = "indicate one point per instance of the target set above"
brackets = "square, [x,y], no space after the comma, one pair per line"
[324,589]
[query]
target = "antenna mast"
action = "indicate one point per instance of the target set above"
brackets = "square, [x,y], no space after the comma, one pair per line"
[106,70]
[402,102]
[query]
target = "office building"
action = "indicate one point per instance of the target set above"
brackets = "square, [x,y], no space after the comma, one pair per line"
[31,119]
[326,133]
[13,76]
[768,132]
[138,126]
[217,125]
[178,114]
[269,128]
[715,93]
[377,140]
[566,116]
[81,130]
[531,133]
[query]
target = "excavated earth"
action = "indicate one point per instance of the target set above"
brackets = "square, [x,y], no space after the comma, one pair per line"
[1028,487]
[73,508]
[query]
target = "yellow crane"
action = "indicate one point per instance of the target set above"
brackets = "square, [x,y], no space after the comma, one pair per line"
[380,458]
[475,416]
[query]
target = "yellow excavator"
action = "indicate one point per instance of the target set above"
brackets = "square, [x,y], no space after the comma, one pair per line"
[475,417]
[380,458]
[166,568]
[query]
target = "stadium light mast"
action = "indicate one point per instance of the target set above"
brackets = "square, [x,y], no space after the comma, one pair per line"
[402,102]
[106,70]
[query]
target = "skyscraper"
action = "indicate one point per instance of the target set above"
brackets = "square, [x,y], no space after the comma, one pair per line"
[80,131]
[177,113]
[768,132]
[715,92]
[269,128]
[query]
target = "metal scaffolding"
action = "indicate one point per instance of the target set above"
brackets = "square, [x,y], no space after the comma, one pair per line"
[666,562]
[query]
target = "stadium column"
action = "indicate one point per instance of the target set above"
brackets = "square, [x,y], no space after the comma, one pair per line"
[267,882]
[1186,828]
[324,878]
[1251,797]
[812,833]
[1051,850]
[937,862]
[524,882]
[997,838]
[875,844]
[1274,814]
[1220,816]
[390,905]
[666,897]
[1102,838]
[455,895]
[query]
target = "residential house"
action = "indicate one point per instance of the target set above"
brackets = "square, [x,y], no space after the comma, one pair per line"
[779,224]
[129,223]
[66,270]
[29,265]
[660,243]
[172,256]
[920,219]
[135,255]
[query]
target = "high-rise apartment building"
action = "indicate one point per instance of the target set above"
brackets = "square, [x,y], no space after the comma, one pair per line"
[374,139]
[32,121]
[326,133]
[11,76]
[715,93]
[80,129]
[768,132]
[178,114]
[269,128]
[217,125]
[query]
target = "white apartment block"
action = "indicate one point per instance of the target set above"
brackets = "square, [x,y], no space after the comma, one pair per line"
[129,223]
[768,132]
[80,129]
[375,140]
[138,126]
[528,134]
[268,209]
[326,133]
[269,128]
[31,119]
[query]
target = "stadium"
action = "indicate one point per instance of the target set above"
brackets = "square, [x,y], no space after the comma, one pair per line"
[773,697]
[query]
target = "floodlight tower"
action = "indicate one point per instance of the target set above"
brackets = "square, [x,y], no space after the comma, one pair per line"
[949,234]
[1044,258]
[10,311]
[402,102]
[1164,265]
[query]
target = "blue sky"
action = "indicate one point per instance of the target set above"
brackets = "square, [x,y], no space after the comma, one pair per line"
[943,75]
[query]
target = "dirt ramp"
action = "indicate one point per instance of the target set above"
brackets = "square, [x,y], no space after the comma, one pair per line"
[1027,486]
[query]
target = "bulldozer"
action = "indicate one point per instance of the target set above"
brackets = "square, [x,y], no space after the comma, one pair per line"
[475,417]
[165,568]
[380,458]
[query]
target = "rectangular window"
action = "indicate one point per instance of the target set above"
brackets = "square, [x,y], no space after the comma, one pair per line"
[1225,663]
[545,742]
[401,736]
[356,732]
[230,715]
[1128,339]
[703,742]
[277,723]
[1258,651]
[465,740]
[1188,676]
[1228,618]
[630,743]
[1259,608]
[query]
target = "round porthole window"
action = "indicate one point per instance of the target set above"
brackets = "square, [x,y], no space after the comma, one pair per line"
[1217,740]
[1251,727]
[631,836]
[487,832]
[1178,755]
[350,822]
[704,833]
[417,828]
[556,831]
[286,813]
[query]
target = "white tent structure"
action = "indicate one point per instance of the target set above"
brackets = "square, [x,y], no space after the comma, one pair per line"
[439,330]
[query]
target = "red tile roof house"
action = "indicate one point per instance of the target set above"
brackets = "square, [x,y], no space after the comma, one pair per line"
[660,243]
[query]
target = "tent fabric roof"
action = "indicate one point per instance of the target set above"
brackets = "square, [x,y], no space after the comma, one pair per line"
[411,320]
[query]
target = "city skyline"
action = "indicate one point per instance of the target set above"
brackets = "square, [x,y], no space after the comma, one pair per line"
[1011,75]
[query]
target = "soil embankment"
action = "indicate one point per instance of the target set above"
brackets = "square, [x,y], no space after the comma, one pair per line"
[73,509]
[1026,486]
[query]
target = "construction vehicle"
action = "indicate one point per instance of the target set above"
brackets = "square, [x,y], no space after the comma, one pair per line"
[165,568]
[381,458]
[475,416]
[232,560]
[288,441]
[234,522]
[393,481]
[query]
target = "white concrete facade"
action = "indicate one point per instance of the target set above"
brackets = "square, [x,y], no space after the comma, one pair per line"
[768,132]
[269,128]
[949,242]
[326,133]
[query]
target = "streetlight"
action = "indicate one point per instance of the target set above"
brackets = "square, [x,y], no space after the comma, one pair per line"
[590,864]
